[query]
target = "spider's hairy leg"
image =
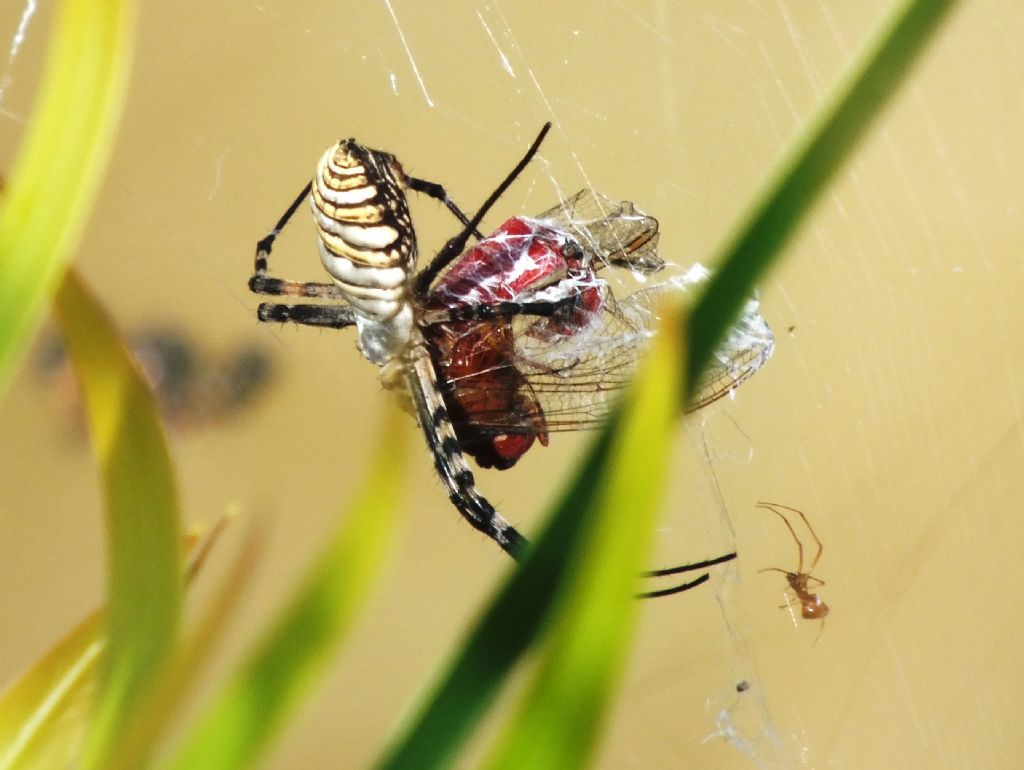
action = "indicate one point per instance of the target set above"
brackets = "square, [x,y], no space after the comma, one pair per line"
[456,245]
[448,458]
[264,245]
[451,465]
[438,193]
[323,316]
[261,283]
[498,311]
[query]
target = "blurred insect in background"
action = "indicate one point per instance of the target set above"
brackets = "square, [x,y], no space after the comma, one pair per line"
[801,581]
[500,344]
[194,388]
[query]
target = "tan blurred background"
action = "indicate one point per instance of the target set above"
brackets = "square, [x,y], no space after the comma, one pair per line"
[891,413]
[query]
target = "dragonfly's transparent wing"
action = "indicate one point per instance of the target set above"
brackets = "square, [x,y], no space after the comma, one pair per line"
[612,232]
[746,349]
[575,378]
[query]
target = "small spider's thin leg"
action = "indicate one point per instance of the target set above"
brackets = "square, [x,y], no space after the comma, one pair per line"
[437,192]
[821,547]
[324,316]
[799,545]
[785,572]
[809,529]
[691,567]
[820,631]
[455,246]
[433,418]
[675,589]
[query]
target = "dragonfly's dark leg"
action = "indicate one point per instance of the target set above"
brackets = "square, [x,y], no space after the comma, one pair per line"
[449,460]
[324,316]
[679,570]
[675,589]
[691,567]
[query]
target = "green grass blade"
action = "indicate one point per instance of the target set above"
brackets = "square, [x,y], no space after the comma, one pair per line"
[141,739]
[510,624]
[57,172]
[558,723]
[43,714]
[563,554]
[253,706]
[144,541]
[805,171]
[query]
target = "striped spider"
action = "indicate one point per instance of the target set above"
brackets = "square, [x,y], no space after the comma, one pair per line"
[498,344]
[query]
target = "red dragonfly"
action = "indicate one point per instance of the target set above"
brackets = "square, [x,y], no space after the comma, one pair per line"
[498,345]
[567,340]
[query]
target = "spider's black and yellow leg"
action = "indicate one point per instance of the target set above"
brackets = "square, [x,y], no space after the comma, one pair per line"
[432,415]
[261,283]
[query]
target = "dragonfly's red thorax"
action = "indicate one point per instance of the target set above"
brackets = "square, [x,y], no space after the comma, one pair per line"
[520,256]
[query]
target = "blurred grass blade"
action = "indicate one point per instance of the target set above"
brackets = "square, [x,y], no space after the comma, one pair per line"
[57,172]
[511,623]
[805,171]
[558,722]
[586,528]
[254,705]
[144,542]
[141,739]
[44,713]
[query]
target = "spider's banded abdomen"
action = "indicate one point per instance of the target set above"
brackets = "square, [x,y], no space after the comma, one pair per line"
[367,243]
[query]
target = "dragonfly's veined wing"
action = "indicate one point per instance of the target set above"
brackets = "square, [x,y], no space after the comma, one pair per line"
[612,232]
[575,378]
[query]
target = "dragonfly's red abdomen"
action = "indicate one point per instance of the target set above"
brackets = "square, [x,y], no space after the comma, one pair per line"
[481,386]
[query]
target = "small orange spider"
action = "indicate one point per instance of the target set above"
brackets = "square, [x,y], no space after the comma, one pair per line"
[811,605]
